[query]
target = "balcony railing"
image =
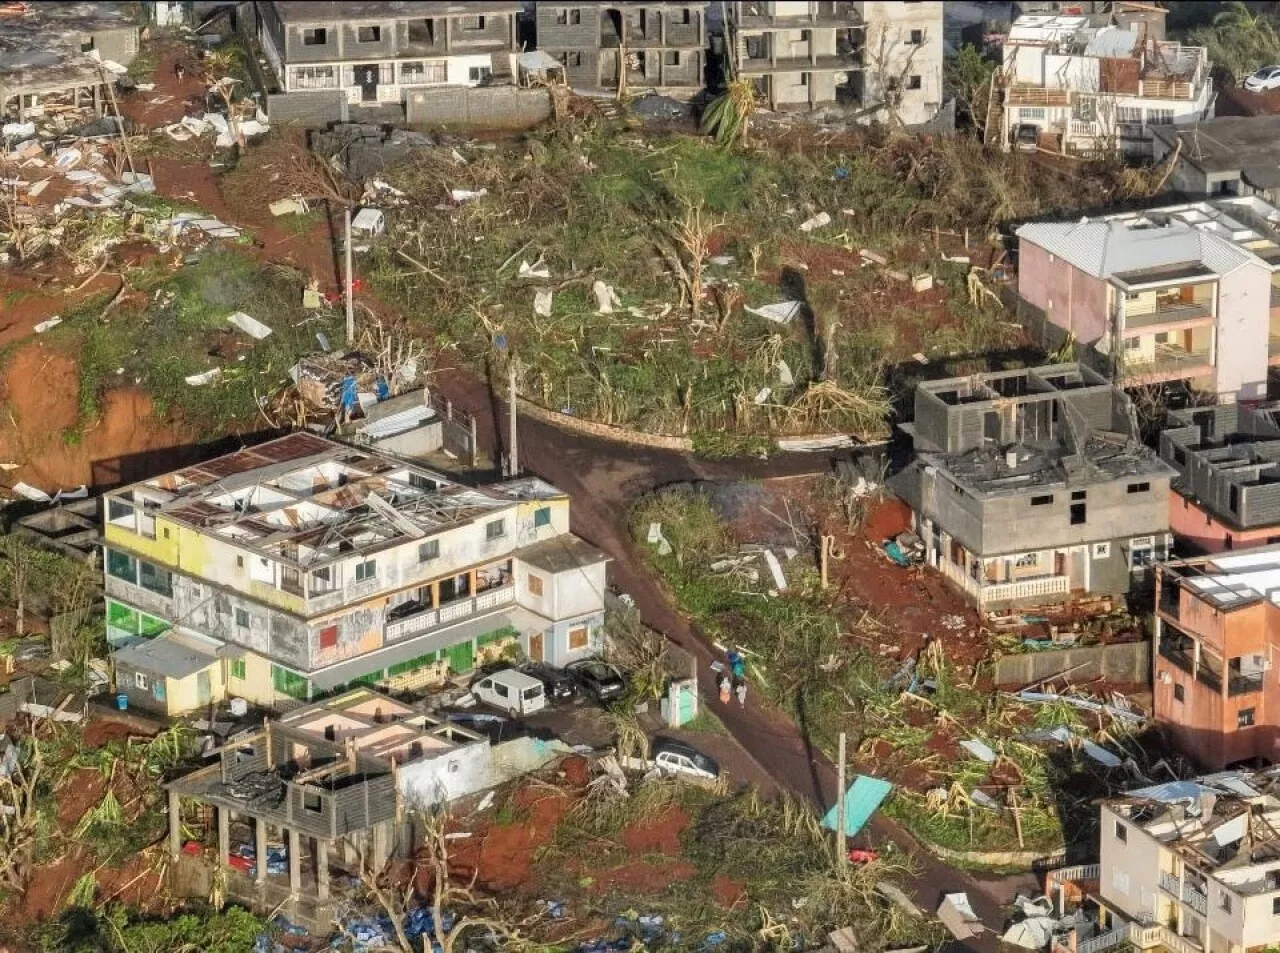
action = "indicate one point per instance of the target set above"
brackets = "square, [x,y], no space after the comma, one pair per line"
[1168,314]
[1180,657]
[428,619]
[1170,885]
[1196,899]
[799,64]
[1104,941]
[1146,936]
[1002,592]
[1210,678]
[1244,684]
[1168,363]
[1036,96]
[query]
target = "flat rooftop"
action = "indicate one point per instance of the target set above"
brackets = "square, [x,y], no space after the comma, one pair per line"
[1225,825]
[307,501]
[309,11]
[40,49]
[1246,145]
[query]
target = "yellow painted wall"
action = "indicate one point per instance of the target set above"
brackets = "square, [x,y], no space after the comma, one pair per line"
[180,694]
[256,687]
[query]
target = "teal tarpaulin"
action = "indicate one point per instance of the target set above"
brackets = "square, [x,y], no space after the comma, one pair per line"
[860,802]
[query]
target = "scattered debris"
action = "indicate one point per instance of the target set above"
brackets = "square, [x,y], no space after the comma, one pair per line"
[817,221]
[780,313]
[606,298]
[655,536]
[538,269]
[206,377]
[542,302]
[250,326]
[48,325]
[979,750]
[958,917]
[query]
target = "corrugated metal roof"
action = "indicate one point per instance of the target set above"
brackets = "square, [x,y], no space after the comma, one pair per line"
[860,802]
[397,423]
[1107,248]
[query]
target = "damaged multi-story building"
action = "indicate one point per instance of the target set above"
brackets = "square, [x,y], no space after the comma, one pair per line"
[57,51]
[1217,630]
[1030,487]
[882,59]
[1192,866]
[1185,294]
[376,53]
[310,801]
[636,46]
[289,570]
[1066,85]
[1227,493]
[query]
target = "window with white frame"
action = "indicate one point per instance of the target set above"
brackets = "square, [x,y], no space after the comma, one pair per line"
[366,570]
[1031,112]
[314,77]
[141,681]
[478,74]
[412,73]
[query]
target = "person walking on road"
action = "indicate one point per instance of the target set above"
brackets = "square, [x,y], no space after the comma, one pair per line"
[737,664]
[724,690]
[742,692]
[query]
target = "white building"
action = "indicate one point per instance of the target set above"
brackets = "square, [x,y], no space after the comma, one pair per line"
[1194,866]
[1086,89]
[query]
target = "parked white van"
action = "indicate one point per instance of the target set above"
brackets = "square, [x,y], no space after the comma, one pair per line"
[512,691]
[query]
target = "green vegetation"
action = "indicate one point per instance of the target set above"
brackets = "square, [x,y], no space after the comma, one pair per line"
[119,930]
[1240,40]
[183,330]
[646,217]
[800,657]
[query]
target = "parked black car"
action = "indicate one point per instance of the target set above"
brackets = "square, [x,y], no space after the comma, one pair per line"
[558,685]
[598,679]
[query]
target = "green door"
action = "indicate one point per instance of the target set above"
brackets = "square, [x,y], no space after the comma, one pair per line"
[685,703]
[461,656]
[202,687]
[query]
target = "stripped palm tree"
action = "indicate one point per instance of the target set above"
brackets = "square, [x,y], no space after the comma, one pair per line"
[728,118]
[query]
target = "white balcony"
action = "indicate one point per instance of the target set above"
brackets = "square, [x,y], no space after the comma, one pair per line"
[428,619]
[988,593]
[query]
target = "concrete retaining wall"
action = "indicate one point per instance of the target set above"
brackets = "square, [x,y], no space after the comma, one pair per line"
[489,107]
[604,431]
[316,108]
[1127,663]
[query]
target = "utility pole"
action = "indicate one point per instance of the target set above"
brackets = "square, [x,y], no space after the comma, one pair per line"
[513,454]
[842,853]
[351,314]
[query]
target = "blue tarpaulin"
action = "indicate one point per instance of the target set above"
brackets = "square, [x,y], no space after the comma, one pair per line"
[860,802]
[349,398]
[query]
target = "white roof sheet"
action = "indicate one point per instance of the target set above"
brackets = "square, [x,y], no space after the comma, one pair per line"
[1111,247]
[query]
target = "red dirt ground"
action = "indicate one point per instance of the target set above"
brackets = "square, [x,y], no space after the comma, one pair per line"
[661,835]
[726,892]
[40,386]
[501,856]
[185,97]
[137,883]
[642,876]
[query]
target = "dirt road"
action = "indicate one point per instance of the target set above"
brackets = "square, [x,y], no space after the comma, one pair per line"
[603,478]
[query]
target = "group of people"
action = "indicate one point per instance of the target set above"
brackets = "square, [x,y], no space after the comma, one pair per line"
[735,680]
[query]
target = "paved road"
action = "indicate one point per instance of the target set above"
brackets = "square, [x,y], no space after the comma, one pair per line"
[603,478]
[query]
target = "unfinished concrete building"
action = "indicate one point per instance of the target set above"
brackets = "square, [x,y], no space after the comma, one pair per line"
[1192,866]
[883,59]
[642,46]
[1217,632]
[292,569]
[301,803]
[1030,487]
[372,53]
[1227,493]
[54,53]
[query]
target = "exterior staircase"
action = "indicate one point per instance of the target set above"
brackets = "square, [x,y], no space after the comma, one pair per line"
[993,131]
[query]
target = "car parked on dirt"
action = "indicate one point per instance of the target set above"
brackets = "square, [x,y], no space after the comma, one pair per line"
[597,679]
[511,691]
[558,684]
[1266,78]
[675,757]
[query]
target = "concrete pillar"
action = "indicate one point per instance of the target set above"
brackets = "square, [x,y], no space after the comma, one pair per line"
[380,846]
[97,100]
[322,868]
[260,850]
[224,835]
[175,825]
[295,863]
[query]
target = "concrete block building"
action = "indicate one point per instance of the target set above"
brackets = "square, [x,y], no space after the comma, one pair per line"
[1082,88]
[375,52]
[884,58]
[1183,293]
[1217,633]
[1229,155]
[300,566]
[1192,866]
[1227,492]
[1029,487]
[660,46]
[298,804]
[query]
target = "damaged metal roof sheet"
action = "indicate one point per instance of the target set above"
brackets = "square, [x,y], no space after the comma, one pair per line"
[43,49]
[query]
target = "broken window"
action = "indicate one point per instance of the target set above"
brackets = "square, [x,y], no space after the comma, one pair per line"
[315,36]
[471,23]
[422,31]
[562,17]
[1085,109]
[369,34]
[571,59]
[311,802]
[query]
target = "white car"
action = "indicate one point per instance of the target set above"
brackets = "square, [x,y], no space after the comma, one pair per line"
[511,691]
[672,757]
[1266,78]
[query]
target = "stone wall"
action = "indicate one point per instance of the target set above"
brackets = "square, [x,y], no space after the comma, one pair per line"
[1127,663]
[487,107]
